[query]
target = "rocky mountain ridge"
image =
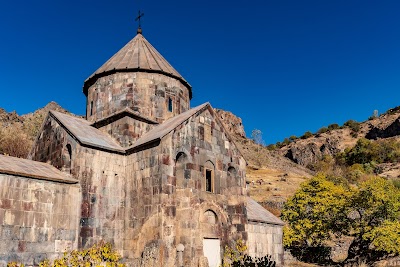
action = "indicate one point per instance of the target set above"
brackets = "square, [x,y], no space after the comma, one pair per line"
[330,142]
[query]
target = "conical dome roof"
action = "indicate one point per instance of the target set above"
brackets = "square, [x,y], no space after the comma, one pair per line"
[138,55]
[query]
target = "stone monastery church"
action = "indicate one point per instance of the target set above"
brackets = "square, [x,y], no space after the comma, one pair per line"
[163,182]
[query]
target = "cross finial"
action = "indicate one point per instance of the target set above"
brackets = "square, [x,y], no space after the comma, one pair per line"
[140,15]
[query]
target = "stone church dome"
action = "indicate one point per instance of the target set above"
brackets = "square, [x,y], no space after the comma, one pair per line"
[140,79]
[138,55]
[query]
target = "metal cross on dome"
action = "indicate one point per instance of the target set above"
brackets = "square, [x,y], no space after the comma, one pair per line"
[139,17]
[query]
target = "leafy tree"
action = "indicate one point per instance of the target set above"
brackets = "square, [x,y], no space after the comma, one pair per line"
[375,207]
[318,209]
[256,135]
[370,214]
[258,140]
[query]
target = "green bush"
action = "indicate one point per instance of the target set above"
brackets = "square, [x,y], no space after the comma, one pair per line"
[271,147]
[286,141]
[392,111]
[249,261]
[322,130]
[353,125]
[306,135]
[396,183]
[99,255]
[367,151]
[333,126]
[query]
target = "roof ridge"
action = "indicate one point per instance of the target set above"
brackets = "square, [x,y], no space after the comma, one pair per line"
[151,52]
[169,125]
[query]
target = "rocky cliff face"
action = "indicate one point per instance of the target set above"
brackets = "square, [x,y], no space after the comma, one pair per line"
[231,122]
[313,149]
[384,129]
[7,118]
[309,151]
[28,123]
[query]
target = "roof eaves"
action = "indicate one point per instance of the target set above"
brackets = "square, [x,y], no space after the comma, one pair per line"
[40,177]
[83,142]
[163,132]
[266,222]
[93,78]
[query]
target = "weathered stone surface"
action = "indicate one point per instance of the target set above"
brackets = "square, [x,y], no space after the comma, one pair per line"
[306,152]
[30,224]
[231,122]
[148,94]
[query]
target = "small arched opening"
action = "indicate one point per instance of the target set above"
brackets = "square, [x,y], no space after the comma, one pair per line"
[180,163]
[67,158]
[210,217]
[232,177]
[209,177]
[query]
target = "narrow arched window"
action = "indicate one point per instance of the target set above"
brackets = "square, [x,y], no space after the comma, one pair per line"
[209,176]
[67,158]
[91,108]
[170,104]
[180,163]
[232,179]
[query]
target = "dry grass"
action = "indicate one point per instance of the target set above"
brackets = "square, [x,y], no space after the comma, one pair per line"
[272,184]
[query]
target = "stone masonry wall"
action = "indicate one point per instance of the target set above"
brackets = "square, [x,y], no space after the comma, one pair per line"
[101,177]
[190,213]
[143,217]
[51,145]
[127,130]
[146,204]
[265,239]
[38,219]
[145,93]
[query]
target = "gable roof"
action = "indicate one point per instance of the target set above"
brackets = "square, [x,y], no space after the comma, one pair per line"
[85,133]
[138,55]
[167,126]
[119,114]
[257,213]
[33,169]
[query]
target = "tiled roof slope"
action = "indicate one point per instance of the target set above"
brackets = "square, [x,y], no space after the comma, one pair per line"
[33,169]
[256,212]
[85,133]
[137,55]
[166,127]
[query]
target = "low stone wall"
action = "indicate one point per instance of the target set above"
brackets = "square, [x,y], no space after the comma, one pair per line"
[38,219]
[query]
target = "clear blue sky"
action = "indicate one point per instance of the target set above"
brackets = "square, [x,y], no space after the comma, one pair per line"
[284,67]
